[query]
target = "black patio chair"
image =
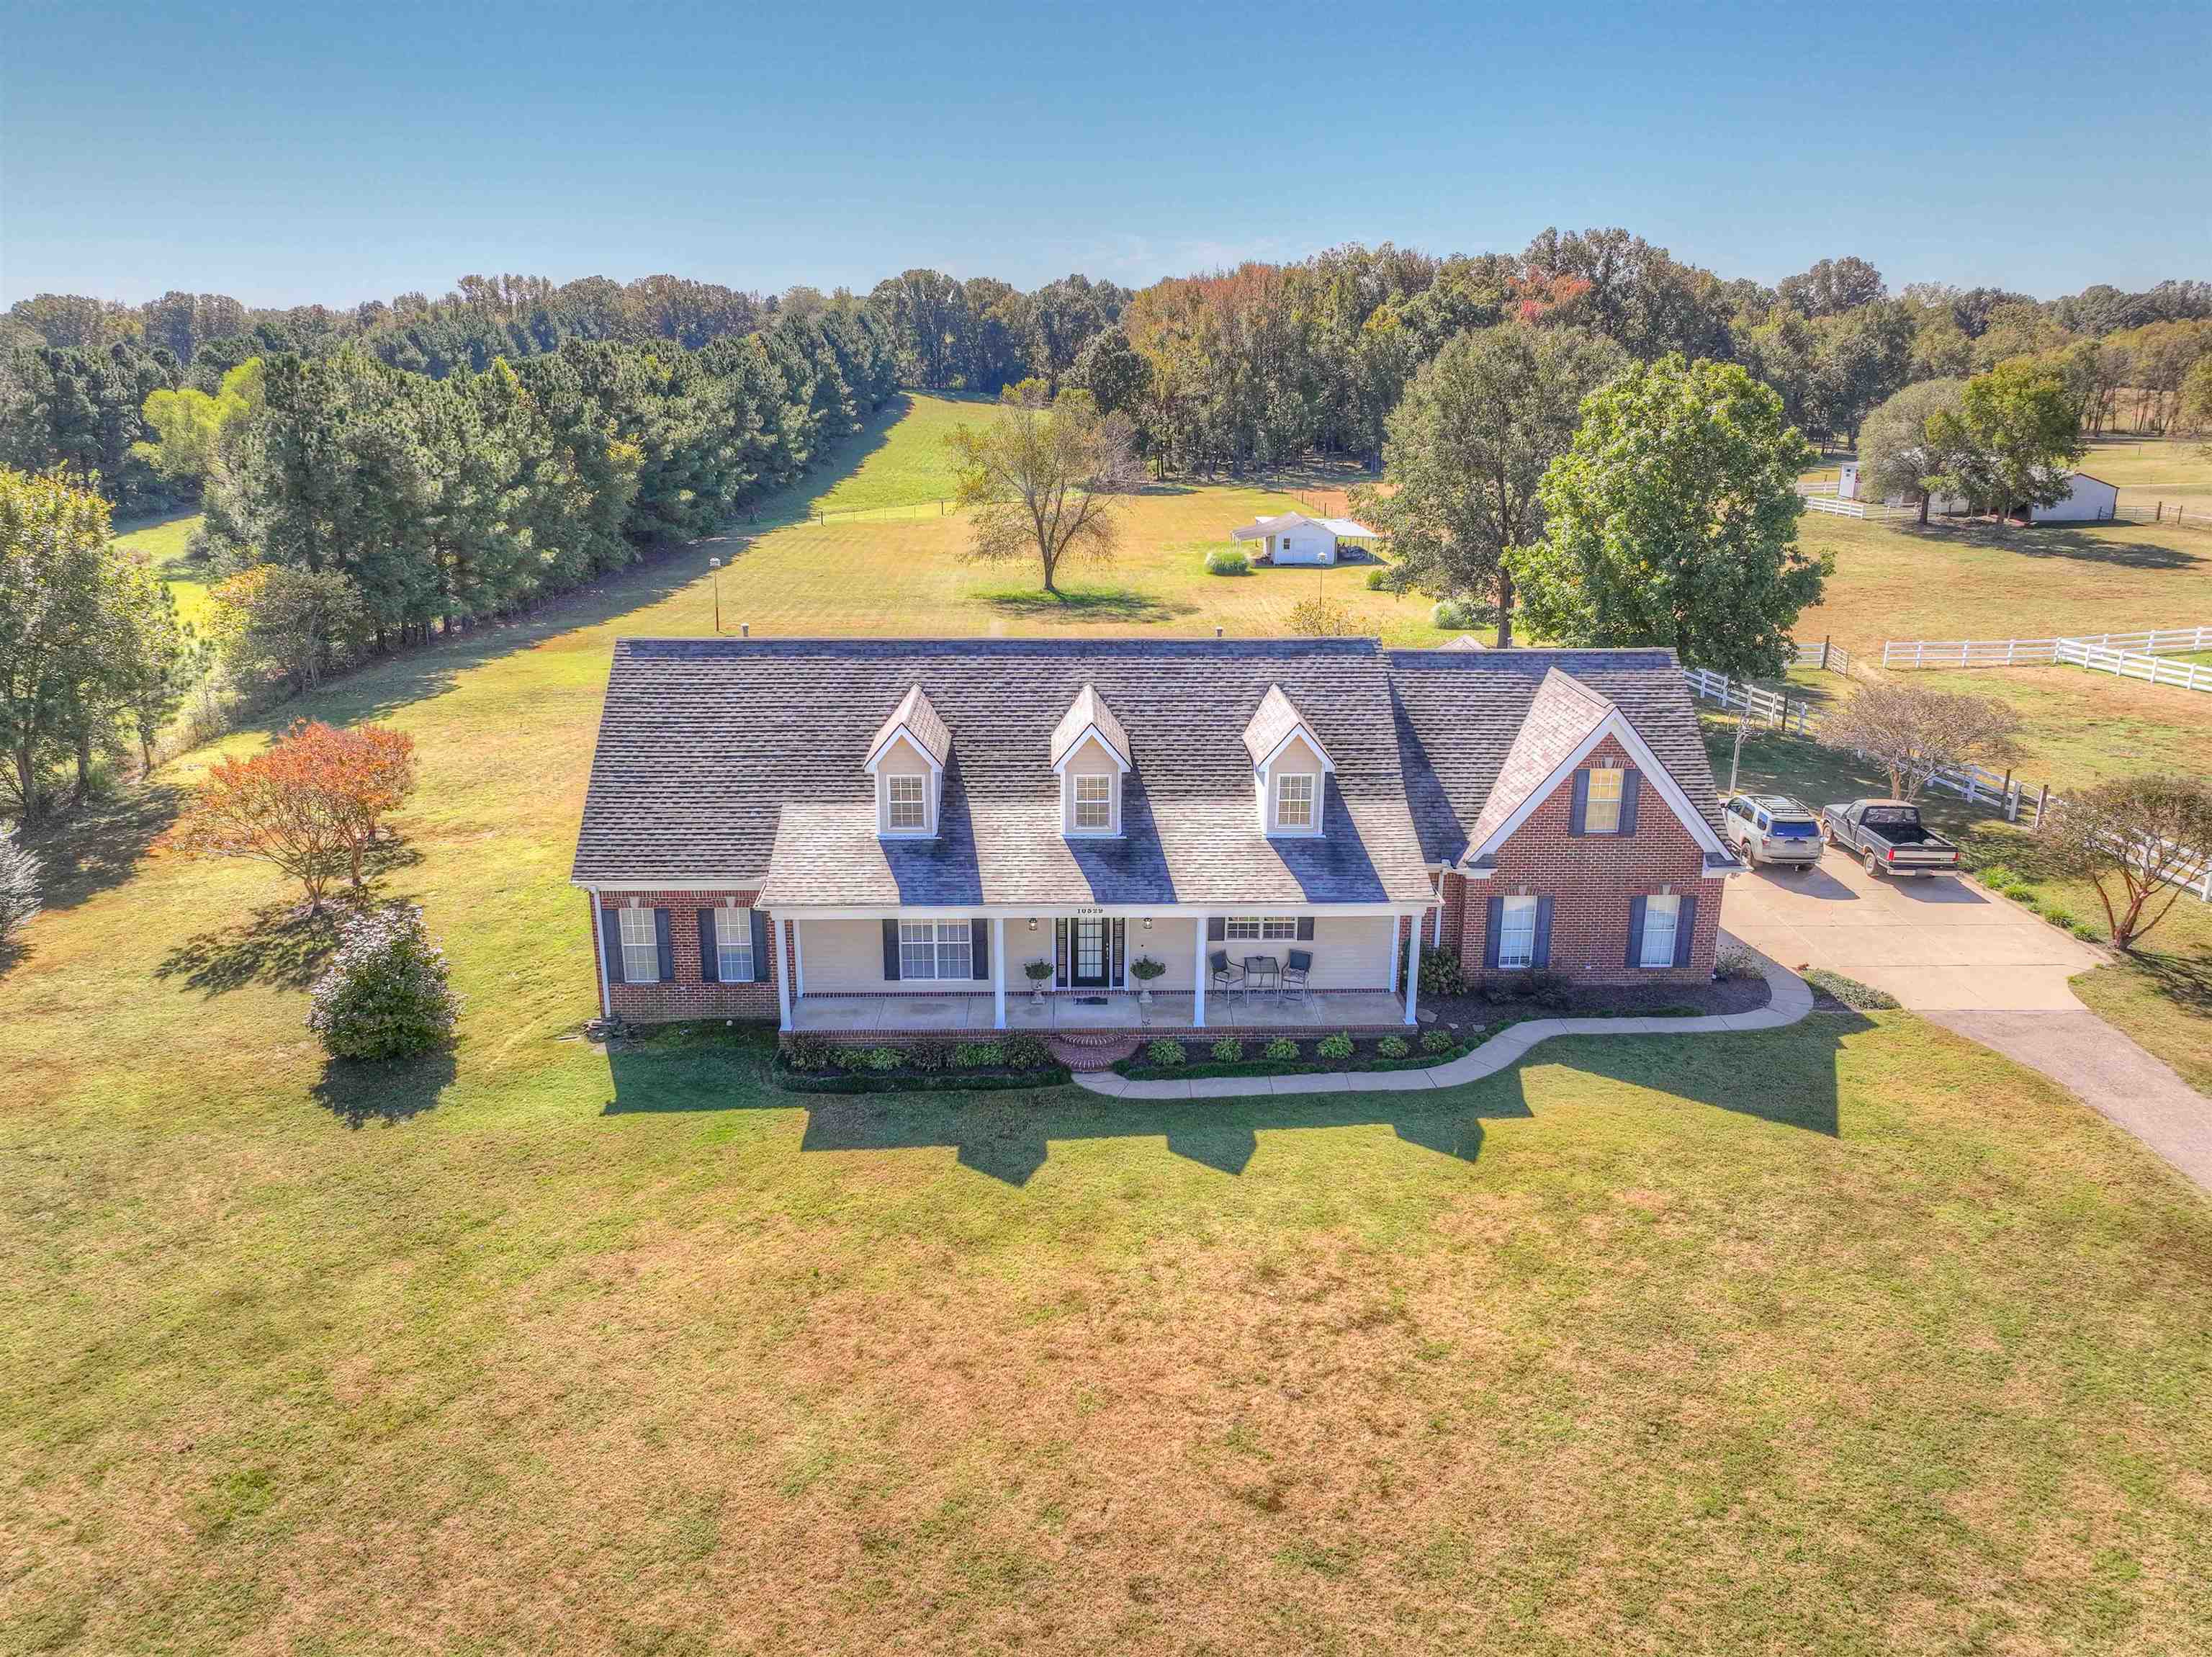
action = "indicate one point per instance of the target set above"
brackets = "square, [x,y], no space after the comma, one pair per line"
[1296,966]
[1224,976]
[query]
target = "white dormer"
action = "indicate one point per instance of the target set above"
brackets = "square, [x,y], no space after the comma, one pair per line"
[907,759]
[1290,768]
[1091,757]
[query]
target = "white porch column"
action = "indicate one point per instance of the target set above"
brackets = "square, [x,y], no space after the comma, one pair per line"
[1413,963]
[779,930]
[599,954]
[1198,974]
[998,972]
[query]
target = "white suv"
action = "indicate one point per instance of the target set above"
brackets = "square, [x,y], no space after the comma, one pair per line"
[1772,828]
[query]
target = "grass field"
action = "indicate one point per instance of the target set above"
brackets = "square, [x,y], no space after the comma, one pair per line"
[1850,1338]
[905,462]
[2147,469]
[161,542]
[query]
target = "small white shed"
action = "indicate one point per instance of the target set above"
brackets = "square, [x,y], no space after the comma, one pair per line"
[1293,537]
[2089,501]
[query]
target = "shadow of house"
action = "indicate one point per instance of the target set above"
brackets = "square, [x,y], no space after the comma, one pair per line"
[1008,1136]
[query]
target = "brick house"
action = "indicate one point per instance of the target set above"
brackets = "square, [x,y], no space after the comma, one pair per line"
[869,835]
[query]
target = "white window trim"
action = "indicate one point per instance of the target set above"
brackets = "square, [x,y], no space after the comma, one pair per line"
[1312,825]
[1109,785]
[1263,929]
[892,826]
[1590,798]
[650,943]
[1512,907]
[944,940]
[1673,913]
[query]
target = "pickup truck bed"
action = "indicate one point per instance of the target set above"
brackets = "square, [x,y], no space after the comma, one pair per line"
[1889,836]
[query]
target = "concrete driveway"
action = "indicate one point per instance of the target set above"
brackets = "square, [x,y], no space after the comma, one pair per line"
[1937,943]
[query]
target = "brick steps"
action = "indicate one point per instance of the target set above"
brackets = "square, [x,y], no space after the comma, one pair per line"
[1091,1049]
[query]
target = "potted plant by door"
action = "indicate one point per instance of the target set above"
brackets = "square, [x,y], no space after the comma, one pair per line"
[1037,973]
[1145,969]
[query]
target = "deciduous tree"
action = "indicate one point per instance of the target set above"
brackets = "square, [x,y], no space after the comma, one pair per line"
[1672,520]
[1467,448]
[1898,454]
[2133,838]
[2012,441]
[1912,732]
[1042,477]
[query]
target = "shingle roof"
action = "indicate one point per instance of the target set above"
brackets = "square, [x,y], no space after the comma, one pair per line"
[1276,717]
[724,759]
[1089,709]
[1564,711]
[1458,714]
[919,720]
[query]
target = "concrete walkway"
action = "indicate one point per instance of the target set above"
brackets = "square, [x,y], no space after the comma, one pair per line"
[2105,1070]
[1789,1000]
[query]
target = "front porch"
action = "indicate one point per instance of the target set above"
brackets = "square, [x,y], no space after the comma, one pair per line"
[1098,1010]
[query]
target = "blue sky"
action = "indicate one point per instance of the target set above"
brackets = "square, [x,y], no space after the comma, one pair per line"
[290,153]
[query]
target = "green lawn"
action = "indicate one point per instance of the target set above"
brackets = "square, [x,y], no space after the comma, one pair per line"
[1850,1338]
[162,541]
[905,462]
[2147,469]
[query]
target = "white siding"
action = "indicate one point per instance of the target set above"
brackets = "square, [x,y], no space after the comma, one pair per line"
[2092,501]
[1302,544]
[842,955]
[1090,758]
[901,759]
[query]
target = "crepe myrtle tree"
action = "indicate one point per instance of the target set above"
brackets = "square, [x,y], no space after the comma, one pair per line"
[1041,478]
[1671,519]
[2135,839]
[1912,732]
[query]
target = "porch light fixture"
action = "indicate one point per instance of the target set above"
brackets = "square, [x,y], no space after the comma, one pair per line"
[1148,922]
[1032,922]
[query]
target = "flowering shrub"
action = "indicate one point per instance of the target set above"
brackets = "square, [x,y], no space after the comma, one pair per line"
[386,994]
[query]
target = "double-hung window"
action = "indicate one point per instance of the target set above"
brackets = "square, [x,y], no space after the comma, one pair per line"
[640,946]
[733,945]
[908,801]
[1094,802]
[935,949]
[1516,932]
[1601,811]
[1253,928]
[1294,801]
[1661,917]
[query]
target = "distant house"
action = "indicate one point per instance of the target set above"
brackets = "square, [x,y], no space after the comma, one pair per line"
[1293,537]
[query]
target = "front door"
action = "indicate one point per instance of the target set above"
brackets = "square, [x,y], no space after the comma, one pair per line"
[1089,968]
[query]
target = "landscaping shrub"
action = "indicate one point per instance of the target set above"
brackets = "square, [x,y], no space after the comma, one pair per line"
[1336,1046]
[1229,1050]
[811,1053]
[1550,989]
[1442,974]
[1227,563]
[1165,1049]
[1455,615]
[929,1055]
[1437,1041]
[1394,1047]
[867,1058]
[1027,1053]
[386,994]
[980,1055]
[1849,991]
[1733,960]
[1282,1047]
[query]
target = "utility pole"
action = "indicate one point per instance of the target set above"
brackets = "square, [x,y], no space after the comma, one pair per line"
[1736,759]
[715,564]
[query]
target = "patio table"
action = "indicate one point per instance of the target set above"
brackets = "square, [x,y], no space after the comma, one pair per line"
[1263,972]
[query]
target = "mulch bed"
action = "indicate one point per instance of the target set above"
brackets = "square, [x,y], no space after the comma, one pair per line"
[1472,1012]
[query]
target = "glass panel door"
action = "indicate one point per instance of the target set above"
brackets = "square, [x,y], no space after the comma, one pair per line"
[1090,951]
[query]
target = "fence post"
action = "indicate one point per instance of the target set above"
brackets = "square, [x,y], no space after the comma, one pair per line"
[2011,798]
[2041,804]
[1826,638]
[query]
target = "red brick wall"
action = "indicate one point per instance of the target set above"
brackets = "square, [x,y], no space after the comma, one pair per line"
[689,997]
[1591,880]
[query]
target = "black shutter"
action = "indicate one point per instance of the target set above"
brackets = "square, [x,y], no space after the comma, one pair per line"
[1493,923]
[979,949]
[1635,932]
[1629,791]
[708,962]
[1217,929]
[890,952]
[1576,818]
[1117,975]
[667,945]
[610,943]
[1543,957]
[1305,929]
[1685,929]
[1059,953]
[762,954]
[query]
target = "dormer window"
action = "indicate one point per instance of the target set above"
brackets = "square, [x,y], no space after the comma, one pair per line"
[1288,765]
[1090,752]
[907,759]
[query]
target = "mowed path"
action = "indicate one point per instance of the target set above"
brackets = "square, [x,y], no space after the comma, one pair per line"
[1985,968]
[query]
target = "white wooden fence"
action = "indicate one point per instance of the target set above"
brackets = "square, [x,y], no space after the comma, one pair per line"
[2132,656]
[1975,784]
[1873,511]
[1827,655]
